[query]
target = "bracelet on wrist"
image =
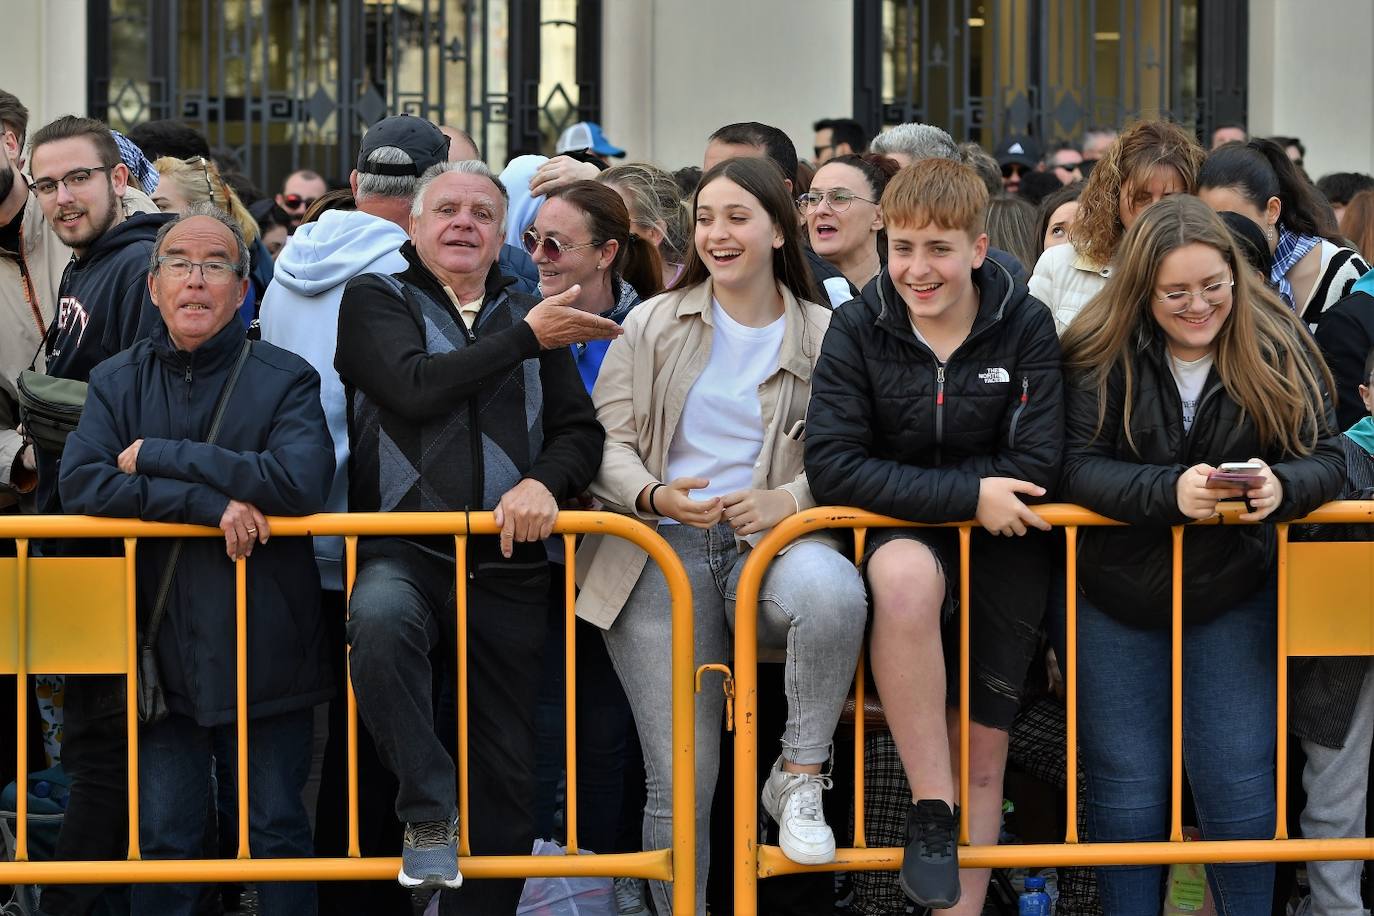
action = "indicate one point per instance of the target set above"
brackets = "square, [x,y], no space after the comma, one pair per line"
[652,492]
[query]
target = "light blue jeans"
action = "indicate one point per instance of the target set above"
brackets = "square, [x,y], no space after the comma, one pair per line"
[811,602]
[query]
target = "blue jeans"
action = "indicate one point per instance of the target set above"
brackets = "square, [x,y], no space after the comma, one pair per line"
[1229,691]
[174,766]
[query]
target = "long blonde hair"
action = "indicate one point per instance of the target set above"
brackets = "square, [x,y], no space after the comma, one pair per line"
[1097,229]
[198,181]
[1265,358]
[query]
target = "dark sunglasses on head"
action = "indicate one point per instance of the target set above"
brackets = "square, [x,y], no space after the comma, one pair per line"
[292,201]
[553,249]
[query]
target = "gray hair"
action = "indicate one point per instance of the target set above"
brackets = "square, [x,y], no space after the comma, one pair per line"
[466,167]
[215,213]
[978,159]
[919,141]
[396,187]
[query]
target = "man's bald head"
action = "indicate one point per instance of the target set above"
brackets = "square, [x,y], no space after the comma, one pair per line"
[461,146]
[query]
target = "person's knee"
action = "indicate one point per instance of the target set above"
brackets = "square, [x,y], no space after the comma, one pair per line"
[383,619]
[907,585]
[819,588]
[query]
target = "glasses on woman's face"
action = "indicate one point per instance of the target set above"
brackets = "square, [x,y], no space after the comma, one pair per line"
[553,248]
[1212,295]
[838,198]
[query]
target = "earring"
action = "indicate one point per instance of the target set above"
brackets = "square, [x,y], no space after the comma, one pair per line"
[1271,233]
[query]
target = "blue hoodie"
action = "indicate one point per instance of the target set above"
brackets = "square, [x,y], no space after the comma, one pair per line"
[300,313]
[1365,284]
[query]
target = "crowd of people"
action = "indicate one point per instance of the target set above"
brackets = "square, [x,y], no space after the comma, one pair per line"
[903,324]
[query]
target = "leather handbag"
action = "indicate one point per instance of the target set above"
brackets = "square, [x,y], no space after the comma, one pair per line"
[152,704]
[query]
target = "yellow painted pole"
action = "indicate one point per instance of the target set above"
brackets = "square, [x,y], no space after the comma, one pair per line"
[860,721]
[570,681]
[131,687]
[1281,739]
[351,576]
[964,534]
[464,825]
[21,690]
[241,679]
[746,730]
[1176,694]
[1071,681]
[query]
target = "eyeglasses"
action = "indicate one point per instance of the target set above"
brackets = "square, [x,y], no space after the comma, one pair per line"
[293,201]
[838,198]
[73,181]
[214,273]
[1212,295]
[553,249]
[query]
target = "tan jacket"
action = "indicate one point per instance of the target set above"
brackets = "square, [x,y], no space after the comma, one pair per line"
[26,310]
[639,397]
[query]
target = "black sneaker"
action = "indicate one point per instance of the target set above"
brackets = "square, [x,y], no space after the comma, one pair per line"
[930,868]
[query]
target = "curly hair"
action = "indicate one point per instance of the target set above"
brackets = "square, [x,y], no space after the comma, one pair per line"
[1098,229]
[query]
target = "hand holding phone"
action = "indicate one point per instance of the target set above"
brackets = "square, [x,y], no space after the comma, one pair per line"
[1244,475]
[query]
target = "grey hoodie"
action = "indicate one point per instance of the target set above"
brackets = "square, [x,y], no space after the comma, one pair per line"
[300,313]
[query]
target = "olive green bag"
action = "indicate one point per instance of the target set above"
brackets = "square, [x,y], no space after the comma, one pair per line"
[49,408]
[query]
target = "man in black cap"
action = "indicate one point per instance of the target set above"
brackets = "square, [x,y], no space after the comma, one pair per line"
[1016,155]
[300,313]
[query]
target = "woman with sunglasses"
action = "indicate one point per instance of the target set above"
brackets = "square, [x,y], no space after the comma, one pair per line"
[704,403]
[183,183]
[1150,160]
[843,220]
[1183,362]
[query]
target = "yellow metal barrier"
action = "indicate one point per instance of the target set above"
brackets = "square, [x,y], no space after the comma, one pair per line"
[1318,614]
[78,616]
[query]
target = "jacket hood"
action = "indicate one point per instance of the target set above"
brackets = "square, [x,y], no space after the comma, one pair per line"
[141,227]
[997,290]
[327,253]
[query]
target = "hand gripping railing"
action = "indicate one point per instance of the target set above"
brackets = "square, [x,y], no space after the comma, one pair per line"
[1318,614]
[78,616]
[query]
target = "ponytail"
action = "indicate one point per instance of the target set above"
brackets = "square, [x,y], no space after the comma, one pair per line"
[638,264]
[1260,169]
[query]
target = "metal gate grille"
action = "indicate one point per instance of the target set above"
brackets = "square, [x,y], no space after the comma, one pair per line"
[286,84]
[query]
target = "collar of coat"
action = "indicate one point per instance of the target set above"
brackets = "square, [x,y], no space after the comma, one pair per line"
[995,285]
[797,350]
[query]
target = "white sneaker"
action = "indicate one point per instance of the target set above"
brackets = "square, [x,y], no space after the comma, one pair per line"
[794,801]
[630,897]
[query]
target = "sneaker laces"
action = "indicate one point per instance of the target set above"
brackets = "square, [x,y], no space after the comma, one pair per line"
[629,895]
[430,833]
[805,800]
[936,836]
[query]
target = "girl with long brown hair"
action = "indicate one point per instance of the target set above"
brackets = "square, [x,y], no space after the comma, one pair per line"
[1185,361]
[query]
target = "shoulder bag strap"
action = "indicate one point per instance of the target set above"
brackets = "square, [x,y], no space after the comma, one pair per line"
[165,586]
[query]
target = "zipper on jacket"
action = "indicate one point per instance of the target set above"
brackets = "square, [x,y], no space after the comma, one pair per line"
[1197,415]
[939,412]
[475,437]
[1016,414]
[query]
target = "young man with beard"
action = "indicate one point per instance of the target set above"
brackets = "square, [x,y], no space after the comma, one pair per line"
[103,307]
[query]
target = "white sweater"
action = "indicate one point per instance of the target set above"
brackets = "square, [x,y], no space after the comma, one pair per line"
[1065,280]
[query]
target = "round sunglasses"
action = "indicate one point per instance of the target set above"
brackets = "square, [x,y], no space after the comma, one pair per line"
[553,249]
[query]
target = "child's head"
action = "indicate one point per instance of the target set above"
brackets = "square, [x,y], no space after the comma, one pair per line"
[935,211]
[1367,386]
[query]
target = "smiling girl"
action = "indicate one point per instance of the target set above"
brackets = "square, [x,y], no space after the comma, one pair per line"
[1183,362]
[704,403]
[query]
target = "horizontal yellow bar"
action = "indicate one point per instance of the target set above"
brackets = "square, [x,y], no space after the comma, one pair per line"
[772,862]
[655,866]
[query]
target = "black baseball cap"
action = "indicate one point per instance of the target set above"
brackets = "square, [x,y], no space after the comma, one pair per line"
[423,141]
[1020,150]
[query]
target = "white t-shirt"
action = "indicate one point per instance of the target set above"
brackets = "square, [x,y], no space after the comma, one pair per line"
[720,434]
[1190,377]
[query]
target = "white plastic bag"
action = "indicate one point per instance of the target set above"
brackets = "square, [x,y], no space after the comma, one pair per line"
[558,896]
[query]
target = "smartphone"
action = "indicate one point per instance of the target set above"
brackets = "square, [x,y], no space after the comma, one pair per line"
[1242,474]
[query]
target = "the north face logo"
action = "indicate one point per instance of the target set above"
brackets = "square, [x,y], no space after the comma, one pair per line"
[994,375]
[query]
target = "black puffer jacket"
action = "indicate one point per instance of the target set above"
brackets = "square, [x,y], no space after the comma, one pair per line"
[1127,572]
[892,431]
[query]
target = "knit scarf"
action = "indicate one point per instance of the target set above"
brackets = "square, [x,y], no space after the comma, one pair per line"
[1291,249]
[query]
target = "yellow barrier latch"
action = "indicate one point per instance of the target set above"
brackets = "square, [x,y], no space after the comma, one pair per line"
[729,687]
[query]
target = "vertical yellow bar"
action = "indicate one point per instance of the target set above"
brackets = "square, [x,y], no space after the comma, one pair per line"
[21,686]
[464,827]
[241,685]
[570,680]
[131,687]
[1071,680]
[746,740]
[860,829]
[350,575]
[1176,695]
[1281,739]
[964,533]
[684,738]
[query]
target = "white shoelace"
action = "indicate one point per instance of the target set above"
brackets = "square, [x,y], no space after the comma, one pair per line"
[805,800]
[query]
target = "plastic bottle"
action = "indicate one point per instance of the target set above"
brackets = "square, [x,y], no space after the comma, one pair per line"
[1033,900]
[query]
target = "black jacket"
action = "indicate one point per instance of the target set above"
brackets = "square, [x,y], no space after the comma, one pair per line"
[1127,572]
[1346,335]
[103,307]
[892,431]
[273,451]
[442,418]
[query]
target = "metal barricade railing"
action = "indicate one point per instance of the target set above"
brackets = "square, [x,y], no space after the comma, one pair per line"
[1318,614]
[87,625]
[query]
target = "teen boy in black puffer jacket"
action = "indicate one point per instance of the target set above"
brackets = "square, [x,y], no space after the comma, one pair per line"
[937,398]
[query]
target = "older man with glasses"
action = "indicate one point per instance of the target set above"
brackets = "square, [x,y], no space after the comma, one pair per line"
[196,424]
